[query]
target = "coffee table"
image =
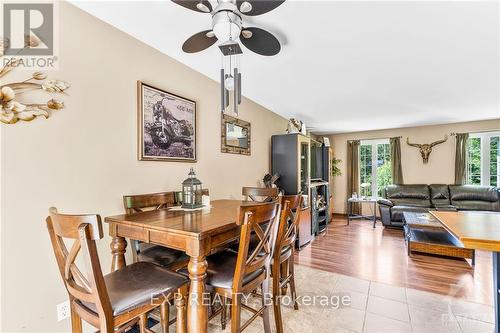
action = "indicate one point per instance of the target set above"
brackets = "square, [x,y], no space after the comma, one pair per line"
[425,234]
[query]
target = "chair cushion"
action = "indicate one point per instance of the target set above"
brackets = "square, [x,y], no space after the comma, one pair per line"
[220,272]
[397,211]
[162,256]
[134,285]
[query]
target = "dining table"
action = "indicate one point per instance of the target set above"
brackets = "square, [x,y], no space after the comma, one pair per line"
[196,232]
[479,231]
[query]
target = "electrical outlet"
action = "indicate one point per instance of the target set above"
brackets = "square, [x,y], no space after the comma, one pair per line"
[63,310]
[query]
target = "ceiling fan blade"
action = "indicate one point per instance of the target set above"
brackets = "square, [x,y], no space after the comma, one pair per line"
[202,6]
[260,41]
[198,42]
[257,7]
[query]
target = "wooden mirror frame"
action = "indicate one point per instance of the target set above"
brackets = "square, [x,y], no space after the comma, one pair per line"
[225,119]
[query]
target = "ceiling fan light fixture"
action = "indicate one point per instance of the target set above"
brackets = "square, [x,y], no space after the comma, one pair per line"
[202,7]
[226,31]
[246,33]
[226,26]
[210,34]
[245,7]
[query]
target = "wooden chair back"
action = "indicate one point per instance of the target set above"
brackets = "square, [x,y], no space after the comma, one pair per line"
[83,231]
[251,218]
[140,202]
[260,194]
[137,203]
[288,225]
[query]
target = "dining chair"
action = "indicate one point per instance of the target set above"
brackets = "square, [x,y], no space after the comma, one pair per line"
[283,272]
[163,256]
[232,274]
[260,194]
[256,194]
[117,301]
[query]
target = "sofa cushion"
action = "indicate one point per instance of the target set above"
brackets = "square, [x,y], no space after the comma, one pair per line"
[440,195]
[397,211]
[445,207]
[408,195]
[472,197]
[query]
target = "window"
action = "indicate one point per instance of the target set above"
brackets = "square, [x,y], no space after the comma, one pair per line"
[474,161]
[374,167]
[483,159]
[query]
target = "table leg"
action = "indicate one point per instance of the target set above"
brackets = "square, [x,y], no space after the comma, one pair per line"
[197,314]
[118,246]
[374,214]
[349,212]
[496,287]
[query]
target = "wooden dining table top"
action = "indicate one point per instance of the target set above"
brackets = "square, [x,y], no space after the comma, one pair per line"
[476,230]
[220,217]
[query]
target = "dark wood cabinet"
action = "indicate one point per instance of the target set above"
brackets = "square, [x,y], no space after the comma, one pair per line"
[298,159]
[291,159]
[304,234]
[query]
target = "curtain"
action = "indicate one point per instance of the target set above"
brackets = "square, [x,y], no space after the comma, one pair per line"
[353,172]
[396,170]
[461,140]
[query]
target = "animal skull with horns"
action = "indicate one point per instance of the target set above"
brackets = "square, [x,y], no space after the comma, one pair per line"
[426,148]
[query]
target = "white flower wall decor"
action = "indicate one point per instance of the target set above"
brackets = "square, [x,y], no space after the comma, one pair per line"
[12,109]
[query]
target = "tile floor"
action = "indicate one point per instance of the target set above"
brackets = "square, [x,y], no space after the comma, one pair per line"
[373,307]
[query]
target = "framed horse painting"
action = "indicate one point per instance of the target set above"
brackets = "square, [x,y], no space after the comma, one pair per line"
[166,125]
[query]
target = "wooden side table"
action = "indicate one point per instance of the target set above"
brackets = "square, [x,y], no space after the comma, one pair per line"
[351,216]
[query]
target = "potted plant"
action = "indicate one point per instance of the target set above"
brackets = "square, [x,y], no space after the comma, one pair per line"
[335,172]
[335,167]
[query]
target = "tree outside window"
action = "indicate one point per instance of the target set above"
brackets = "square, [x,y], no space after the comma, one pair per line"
[483,159]
[375,167]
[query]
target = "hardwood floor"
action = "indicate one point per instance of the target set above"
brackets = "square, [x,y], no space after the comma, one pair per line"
[380,255]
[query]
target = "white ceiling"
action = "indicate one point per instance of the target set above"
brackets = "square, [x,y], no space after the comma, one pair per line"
[351,65]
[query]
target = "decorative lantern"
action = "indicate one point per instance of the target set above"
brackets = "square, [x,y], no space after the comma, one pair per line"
[191,192]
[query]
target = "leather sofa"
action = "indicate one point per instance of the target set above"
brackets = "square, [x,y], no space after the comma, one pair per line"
[423,198]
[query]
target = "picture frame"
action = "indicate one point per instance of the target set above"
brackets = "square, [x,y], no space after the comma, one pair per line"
[166,125]
[235,135]
[326,141]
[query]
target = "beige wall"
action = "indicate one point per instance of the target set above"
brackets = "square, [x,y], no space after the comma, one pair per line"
[440,168]
[83,159]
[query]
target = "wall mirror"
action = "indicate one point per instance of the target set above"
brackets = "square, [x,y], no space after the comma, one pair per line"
[236,137]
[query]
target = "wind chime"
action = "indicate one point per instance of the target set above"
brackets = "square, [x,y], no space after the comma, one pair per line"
[228,29]
[230,76]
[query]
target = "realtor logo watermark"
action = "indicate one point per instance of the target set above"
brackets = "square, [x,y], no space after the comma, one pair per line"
[29,35]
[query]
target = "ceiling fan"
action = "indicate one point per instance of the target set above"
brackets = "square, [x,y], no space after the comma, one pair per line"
[227,25]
